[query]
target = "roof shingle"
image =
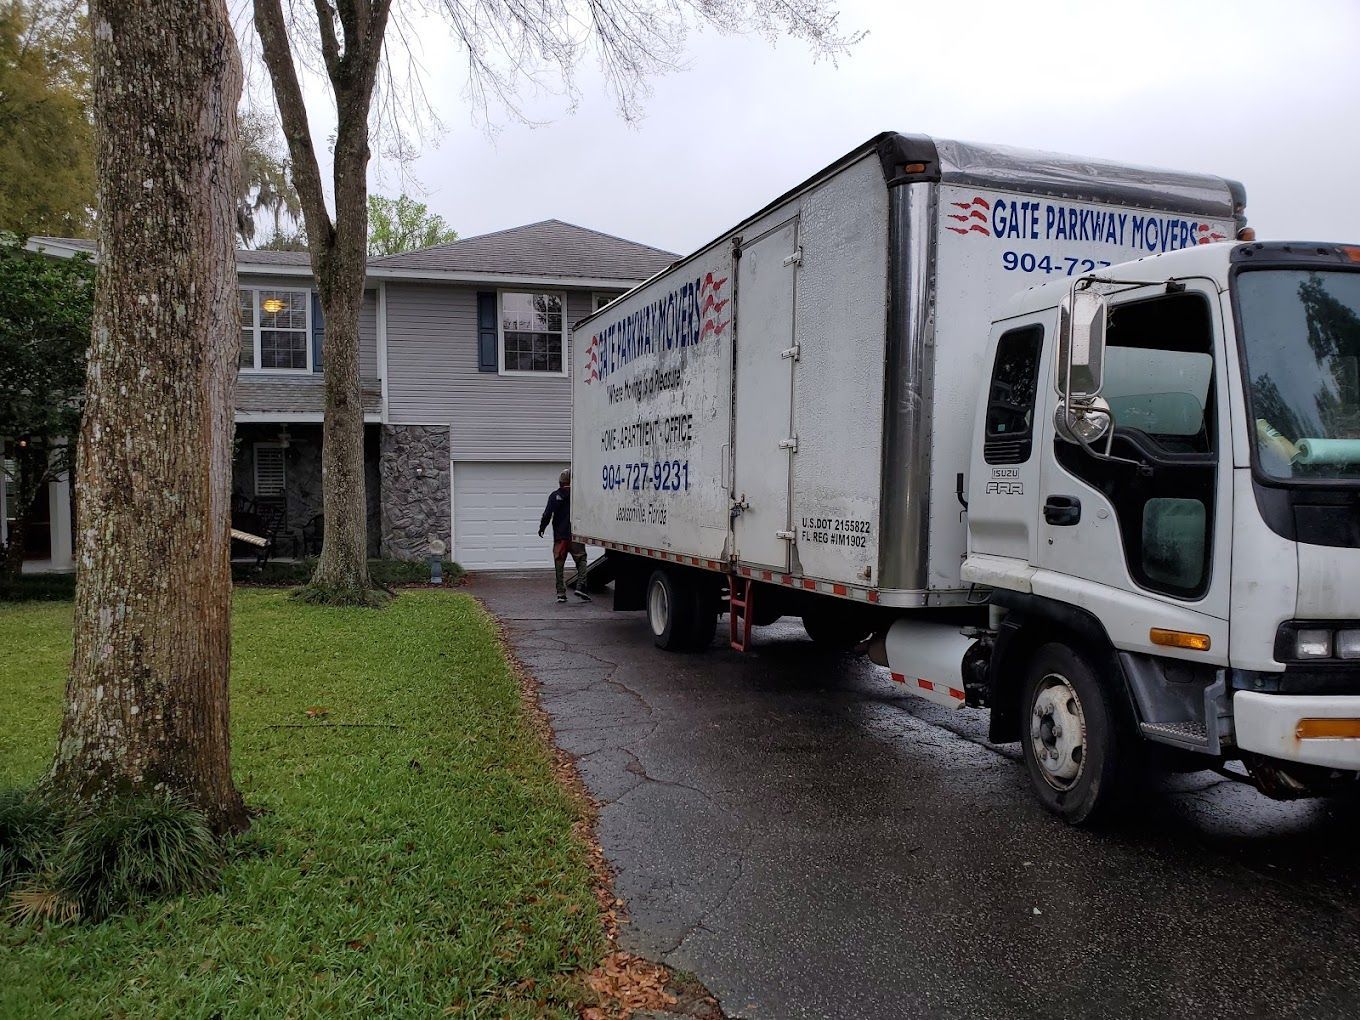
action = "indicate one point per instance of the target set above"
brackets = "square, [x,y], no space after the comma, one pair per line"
[546,248]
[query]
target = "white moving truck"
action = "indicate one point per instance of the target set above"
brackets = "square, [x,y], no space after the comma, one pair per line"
[927,396]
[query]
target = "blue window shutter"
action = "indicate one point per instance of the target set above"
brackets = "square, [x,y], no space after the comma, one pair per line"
[488,358]
[318,332]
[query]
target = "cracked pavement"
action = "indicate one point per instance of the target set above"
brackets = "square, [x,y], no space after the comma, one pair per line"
[811,841]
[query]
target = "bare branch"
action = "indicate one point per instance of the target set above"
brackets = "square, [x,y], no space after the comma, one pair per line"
[330,46]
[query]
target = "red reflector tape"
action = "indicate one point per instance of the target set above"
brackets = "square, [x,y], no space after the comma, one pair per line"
[809,584]
[925,685]
[838,589]
[899,678]
[873,596]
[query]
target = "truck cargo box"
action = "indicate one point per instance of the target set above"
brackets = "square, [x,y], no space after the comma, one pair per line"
[794,401]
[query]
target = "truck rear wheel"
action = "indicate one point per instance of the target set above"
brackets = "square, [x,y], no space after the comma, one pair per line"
[1073,748]
[670,611]
[835,630]
[706,604]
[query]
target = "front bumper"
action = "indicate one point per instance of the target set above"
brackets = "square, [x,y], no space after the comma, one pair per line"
[1268,724]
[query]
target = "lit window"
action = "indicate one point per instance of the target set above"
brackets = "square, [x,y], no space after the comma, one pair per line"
[276,330]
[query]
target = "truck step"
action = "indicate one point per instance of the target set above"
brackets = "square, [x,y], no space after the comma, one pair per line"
[1190,733]
[740,614]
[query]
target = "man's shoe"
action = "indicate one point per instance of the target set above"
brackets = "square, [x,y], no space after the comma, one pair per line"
[581,595]
[561,598]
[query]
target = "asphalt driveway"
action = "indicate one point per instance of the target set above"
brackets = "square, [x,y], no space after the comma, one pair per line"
[813,842]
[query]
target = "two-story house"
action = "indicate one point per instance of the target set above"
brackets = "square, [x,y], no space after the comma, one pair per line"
[465,355]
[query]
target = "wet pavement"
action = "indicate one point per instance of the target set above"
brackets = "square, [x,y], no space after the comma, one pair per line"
[810,841]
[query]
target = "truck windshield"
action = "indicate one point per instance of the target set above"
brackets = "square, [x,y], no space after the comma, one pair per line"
[1301,333]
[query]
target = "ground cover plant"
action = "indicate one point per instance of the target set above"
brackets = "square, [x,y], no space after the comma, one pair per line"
[413,852]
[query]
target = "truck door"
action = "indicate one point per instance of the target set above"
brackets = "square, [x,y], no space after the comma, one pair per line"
[1153,518]
[764,439]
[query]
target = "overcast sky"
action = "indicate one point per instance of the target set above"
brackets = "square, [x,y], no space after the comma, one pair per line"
[1266,92]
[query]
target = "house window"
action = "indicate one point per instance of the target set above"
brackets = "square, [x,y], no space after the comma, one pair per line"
[270,476]
[276,330]
[598,301]
[533,338]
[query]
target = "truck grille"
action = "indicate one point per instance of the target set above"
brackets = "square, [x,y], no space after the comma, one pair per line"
[1006,451]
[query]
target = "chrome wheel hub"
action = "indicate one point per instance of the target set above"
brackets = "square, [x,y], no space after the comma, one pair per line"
[1057,730]
[658,609]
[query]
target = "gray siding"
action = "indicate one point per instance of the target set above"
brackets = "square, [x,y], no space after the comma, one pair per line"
[368,336]
[433,379]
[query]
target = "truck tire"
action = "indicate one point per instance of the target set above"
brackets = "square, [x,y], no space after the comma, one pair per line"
[1074,750]
[670,611]
[706,605]
[840,631]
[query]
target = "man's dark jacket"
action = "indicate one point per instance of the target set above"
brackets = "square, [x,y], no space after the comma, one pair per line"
[559,512]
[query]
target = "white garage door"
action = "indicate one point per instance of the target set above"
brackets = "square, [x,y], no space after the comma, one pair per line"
[496,509]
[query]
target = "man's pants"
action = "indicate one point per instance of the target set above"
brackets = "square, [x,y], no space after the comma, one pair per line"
[578,553]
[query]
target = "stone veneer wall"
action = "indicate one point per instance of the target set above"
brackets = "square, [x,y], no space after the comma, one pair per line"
[414,509]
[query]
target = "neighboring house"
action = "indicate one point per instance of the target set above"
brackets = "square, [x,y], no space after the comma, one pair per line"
[464,359]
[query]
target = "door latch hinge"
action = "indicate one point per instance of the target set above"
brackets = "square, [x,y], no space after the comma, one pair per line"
[793,352]
[784,536]
[796,259]
[790,444]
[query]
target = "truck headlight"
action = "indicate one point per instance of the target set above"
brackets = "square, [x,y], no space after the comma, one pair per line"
[1348,644]
[1312,643]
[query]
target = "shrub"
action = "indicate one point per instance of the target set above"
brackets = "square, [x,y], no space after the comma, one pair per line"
[29,828]
[131,850]
[43,587]
[326,595]
[383,572]
[411,572]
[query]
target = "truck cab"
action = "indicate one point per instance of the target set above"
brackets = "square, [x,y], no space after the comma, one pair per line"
[1163,499]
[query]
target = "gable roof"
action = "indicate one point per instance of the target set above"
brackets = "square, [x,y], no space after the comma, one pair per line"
[547,248]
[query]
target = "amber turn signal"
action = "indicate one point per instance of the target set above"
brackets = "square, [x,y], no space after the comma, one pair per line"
[1179,639]
[1327,729]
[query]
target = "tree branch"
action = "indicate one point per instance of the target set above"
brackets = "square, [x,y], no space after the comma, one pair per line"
[330,46]
[278,59]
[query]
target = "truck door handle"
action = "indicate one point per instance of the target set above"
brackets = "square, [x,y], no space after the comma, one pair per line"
[1062,511]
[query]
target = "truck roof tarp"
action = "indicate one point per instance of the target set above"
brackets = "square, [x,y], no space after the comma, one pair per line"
[1074,177]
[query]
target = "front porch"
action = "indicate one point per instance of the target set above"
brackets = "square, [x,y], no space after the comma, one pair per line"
[276,487]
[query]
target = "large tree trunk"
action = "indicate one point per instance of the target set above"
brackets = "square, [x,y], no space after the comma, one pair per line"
[339,251]
[146,701]
[342,571]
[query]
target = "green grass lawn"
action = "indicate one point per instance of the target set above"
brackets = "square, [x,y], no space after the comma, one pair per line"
[402,871]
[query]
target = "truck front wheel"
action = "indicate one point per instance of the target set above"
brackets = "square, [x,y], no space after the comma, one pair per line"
[1071,738]
[670,611]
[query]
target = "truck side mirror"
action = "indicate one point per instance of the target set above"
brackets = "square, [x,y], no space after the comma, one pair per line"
[1081,345]
[1082,417]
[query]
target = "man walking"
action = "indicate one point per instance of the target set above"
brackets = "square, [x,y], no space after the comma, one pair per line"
[559,512]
